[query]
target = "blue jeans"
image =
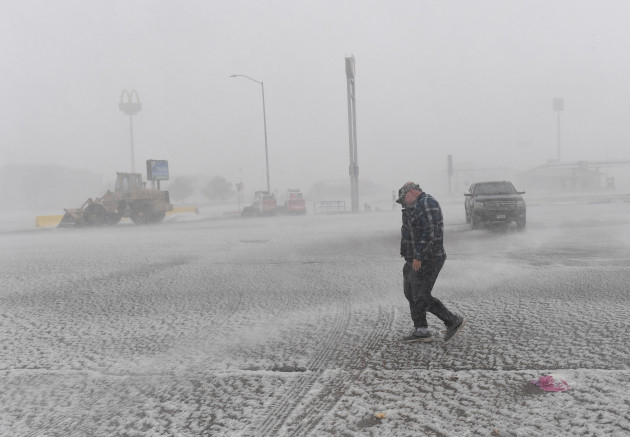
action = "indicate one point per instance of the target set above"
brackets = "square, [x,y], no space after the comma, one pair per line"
[418,286]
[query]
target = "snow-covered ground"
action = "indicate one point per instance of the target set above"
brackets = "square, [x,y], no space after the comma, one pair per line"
[208,326]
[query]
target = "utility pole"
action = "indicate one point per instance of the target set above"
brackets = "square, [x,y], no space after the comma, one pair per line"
[352,127]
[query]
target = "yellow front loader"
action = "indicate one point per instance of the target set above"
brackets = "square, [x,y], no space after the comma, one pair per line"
[130,199]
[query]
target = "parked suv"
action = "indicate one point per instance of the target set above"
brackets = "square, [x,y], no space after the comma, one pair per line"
[494,202]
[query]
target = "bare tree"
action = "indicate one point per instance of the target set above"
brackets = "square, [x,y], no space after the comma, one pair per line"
[182,187]
[218,189]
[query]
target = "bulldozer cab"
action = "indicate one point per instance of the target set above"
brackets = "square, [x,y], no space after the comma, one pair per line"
[128,182]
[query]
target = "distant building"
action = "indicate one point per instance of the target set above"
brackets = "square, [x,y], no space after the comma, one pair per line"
[46,187]
[553,177]
[571,177]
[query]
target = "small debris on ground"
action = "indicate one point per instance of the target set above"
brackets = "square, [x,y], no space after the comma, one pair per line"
[548,383]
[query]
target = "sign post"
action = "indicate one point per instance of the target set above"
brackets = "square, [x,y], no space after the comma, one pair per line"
[157,170]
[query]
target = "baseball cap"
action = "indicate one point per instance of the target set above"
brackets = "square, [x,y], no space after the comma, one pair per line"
[405,189]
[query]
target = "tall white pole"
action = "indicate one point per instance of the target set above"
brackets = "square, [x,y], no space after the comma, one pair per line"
[352,135]
[558,106]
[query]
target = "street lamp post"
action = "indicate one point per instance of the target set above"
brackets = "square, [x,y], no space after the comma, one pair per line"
[558,106]
[262,85]
[130,107]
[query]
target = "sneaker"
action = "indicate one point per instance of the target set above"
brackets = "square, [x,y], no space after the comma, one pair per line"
[418,337]
[453,330]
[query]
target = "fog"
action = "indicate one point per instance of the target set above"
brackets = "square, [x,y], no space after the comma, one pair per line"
[472,79]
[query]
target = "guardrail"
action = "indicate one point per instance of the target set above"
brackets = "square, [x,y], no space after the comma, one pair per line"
[329,207]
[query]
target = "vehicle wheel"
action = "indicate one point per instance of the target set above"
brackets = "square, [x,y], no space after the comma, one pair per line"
[474,221]
[520,223]
[157,217]
[95,215]
[140,213]
[112,218]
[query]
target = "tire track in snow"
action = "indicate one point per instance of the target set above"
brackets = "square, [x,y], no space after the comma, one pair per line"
[278,418]
[281,408]
[329,396]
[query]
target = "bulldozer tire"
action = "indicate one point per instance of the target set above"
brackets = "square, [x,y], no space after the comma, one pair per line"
[113,218]
[95,215]
[140,213]
[157,217]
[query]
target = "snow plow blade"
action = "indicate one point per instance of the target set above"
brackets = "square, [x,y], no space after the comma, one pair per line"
[72,218]
[48,221]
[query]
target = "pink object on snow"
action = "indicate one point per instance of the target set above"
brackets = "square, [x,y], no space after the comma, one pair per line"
[547,383]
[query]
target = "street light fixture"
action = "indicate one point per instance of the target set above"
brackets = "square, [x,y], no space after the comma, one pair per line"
[264,122]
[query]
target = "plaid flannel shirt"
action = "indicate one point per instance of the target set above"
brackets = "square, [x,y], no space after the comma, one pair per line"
[422,229]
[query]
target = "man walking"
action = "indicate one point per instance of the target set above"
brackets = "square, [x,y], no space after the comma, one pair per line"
[422,246]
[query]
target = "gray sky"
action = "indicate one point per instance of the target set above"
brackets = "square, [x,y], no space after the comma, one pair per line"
[475,79]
